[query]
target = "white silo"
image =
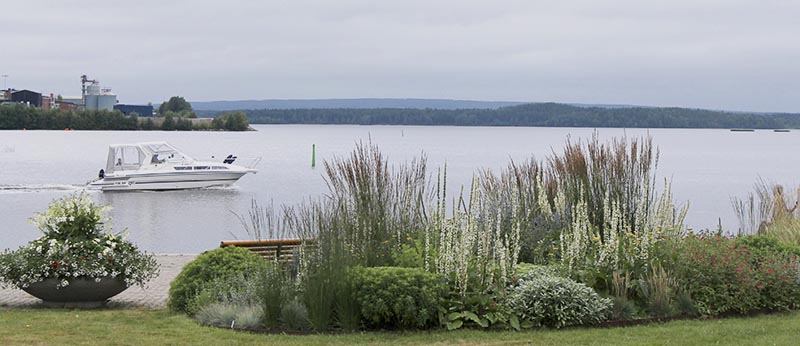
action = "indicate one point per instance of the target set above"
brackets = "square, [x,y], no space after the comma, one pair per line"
[93,89]
[99,99]
[106,101]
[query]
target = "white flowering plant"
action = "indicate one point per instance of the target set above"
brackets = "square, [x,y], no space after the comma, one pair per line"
[76,243]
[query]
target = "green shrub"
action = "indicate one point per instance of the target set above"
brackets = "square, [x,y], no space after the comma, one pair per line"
[552,301]
[392,297]
[722,274]
[230,316]
[213,265]
[764,245]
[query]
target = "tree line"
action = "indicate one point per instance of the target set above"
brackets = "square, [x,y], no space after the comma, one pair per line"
[18,117]
[534,114]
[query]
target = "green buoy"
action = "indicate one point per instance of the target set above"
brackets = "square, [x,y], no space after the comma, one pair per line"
[313,155]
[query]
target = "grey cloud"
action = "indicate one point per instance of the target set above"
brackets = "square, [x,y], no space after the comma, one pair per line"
[712,54]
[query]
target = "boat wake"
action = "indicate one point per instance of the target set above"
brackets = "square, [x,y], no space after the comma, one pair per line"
[39,188]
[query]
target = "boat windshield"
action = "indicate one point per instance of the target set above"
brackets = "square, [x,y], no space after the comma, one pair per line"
[125,157]
[161,152]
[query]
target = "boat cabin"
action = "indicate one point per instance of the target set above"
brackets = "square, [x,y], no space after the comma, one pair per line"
[128,157]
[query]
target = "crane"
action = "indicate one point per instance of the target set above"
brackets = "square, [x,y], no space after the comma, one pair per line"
[85,80]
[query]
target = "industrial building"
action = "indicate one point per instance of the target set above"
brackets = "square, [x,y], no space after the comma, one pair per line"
[142,111]
[27,97]
[92,97]
[96,98]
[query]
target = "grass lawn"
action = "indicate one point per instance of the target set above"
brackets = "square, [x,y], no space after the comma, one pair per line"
[133,327]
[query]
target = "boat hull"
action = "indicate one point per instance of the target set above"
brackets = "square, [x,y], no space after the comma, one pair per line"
[163,181]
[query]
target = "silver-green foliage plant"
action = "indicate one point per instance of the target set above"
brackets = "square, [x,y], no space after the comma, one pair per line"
[546,300]
[294,316]
[76,243]
[231,316]
[237,289]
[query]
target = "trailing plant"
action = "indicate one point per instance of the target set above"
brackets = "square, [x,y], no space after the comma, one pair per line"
[76,244]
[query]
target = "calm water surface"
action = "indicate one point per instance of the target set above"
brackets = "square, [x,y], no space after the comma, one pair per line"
[707,168]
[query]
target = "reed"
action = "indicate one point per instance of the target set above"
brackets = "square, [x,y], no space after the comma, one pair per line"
[262,222]
[756,210]
[769,210]
[659,290]
[379,204]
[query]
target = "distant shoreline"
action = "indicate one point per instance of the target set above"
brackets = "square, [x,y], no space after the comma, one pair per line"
[21,117]
[529,115]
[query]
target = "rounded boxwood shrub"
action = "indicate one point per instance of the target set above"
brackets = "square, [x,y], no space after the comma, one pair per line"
[393,297]
[553,301]
[219,264]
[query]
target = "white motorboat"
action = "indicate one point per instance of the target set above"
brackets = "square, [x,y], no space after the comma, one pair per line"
[160,166]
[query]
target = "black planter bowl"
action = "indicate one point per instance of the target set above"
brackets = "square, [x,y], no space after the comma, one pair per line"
[81,292]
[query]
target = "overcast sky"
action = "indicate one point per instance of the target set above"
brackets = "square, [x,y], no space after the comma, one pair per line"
[737,55]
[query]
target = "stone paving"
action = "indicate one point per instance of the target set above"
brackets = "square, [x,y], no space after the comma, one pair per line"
[154,296]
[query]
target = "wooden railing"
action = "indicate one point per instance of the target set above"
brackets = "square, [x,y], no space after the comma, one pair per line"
[283,250]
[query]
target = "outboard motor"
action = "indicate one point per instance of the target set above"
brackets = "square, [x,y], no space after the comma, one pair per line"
[102,174]
[229,159]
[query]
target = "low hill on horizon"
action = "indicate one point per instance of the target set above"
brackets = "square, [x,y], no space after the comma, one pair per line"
[356,103]
[531,114]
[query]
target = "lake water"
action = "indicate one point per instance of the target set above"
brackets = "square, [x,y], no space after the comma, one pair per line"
[707,168]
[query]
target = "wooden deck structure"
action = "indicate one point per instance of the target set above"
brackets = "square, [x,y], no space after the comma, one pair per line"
[282,250]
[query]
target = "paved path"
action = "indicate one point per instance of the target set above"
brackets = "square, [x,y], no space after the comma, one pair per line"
[152,297]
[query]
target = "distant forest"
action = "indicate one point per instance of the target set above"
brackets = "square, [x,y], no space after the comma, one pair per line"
[19,117]
[534,114]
